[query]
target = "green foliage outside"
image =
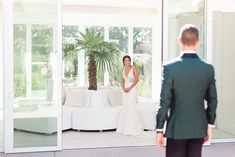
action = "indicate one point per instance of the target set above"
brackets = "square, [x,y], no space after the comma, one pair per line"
[42,44]
[19,85]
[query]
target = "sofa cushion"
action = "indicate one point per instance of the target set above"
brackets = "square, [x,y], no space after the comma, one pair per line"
[75,98]
[99,98]
[115,96]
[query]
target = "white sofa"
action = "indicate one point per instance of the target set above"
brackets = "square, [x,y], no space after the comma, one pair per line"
[99,110]
[41,120]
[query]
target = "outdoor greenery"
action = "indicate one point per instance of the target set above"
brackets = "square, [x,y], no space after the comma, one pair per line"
[19,60]
[142,49]
[70,60]
[42,45]
[19,85]
[100,55]
[119,36]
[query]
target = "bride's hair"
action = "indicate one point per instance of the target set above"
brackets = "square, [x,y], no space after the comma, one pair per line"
[126,56]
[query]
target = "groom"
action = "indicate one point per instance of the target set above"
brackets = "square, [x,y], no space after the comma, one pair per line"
[187,82]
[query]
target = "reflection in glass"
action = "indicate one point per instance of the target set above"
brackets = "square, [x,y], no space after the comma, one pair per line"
[70,33]
[42,38]
[71,62]
[180,13]
[35,110]
[142,45]
[222,22]
[20,59]
[119,36]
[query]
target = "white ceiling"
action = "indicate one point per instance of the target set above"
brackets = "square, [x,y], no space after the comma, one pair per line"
[121,7]
[103,3]
[115,3]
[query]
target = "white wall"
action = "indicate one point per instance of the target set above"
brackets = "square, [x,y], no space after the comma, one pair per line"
[224,60]
[1,80]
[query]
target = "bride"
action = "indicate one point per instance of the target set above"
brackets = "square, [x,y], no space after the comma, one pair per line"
[129,122]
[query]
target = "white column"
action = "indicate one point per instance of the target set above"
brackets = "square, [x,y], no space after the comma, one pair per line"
[165,30]
[28,60]
[157,55]
[8,74]
[81,68]
[59,73]
[209,31]
[1,79]
[130,42]
[81,64]
[106,38]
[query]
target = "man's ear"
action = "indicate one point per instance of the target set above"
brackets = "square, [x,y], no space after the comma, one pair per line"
[197,43]
[179,41]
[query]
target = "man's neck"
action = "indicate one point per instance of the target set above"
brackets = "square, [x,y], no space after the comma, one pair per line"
[188,48]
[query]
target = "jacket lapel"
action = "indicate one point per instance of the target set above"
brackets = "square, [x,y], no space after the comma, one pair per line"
[190,55]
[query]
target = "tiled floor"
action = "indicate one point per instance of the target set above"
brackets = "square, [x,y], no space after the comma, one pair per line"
[73,139]
[216,150]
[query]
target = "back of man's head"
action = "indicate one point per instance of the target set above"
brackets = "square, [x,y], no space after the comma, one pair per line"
[189,35]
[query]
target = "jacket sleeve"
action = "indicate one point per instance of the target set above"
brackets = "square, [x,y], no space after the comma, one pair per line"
[211,98]
[165,98]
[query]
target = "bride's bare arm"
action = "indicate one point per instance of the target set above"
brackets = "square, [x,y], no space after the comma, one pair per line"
[122,82]
[136,75]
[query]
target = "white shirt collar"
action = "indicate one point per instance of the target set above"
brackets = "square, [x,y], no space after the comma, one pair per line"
[187,52]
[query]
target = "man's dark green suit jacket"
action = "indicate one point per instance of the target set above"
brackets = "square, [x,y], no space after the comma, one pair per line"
[187,83]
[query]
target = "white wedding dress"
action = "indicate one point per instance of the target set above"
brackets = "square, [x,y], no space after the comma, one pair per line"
[128,121]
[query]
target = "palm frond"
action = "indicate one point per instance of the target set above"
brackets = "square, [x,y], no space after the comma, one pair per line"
[105,54]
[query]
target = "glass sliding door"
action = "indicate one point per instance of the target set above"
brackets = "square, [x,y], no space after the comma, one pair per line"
[1,76]
[142,56]
[221,23]
[36,77]
[177,13]
[132,40]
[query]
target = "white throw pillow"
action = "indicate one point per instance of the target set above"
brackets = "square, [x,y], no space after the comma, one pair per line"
[88,94]
[98,98]
[75,98]
[115,96]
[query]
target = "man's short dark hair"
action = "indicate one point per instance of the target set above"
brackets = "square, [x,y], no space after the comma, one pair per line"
[189,34]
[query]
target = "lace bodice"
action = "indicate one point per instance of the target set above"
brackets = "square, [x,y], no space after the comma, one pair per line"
[130,76]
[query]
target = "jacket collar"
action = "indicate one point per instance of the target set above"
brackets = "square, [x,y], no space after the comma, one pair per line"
[188,54]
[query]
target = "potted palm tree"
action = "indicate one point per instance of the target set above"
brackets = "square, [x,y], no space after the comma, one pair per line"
[101,55]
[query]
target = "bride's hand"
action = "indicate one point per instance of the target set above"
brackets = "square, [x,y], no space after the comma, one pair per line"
[126,90]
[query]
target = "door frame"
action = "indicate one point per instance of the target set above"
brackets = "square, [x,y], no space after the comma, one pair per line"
[8,80]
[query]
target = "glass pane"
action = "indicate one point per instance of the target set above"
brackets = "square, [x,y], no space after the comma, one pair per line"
[98,29]
[142,45]
[69,32]
[70,62]
[40,75]
[115,74]
[119,36]
[20,60]
[180,13]
[1,77]
[222,22]
[42,38]
[35,81]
